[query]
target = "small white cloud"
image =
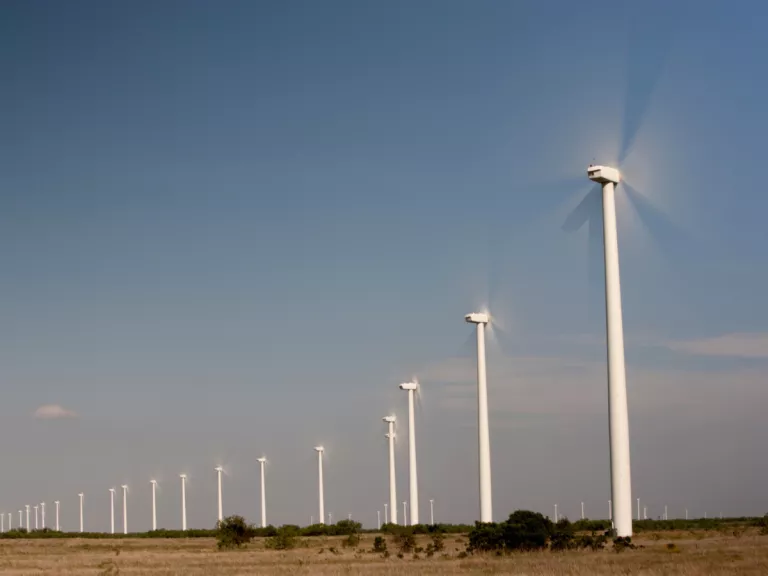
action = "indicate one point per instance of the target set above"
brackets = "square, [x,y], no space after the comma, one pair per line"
[739,345]
[53,411]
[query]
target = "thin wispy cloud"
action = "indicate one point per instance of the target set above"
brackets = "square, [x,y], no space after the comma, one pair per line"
[53,412]
[737,345]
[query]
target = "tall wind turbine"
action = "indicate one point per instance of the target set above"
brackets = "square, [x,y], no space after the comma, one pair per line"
[154,504]
[35,507]
[618,418]
[57,515]
[219,471]
[42,515]
[262,461]
[411,388]
[112,510]
[81,511]
[10,520]
[183,501]
[390,420]
[125,508]
[484,436]
[320,491]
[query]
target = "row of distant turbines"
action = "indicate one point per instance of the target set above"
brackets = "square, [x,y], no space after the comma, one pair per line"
[621,493]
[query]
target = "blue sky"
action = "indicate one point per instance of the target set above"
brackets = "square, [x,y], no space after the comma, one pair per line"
[231,229]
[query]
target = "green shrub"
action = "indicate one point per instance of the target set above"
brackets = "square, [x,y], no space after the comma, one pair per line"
[284,539]
[233,532]
[620,544]
[379,545]
[562,537]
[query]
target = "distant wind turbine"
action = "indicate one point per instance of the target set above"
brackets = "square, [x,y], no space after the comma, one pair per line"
[125,508]
[112,510]
[390,420]
[81,495]
[57,515]
[154,504]
[262,461]
[42,515]
[219,471]
[432,512]
[484,437]
[183,501]
[35,507]
[320,491]
[411,388]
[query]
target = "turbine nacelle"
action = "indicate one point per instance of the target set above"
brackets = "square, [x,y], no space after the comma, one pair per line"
[603,174]
[389,419]
[219,469]
[319,448]
[183,476]
[262,460]
[409,386]
[153,482]
[477,318]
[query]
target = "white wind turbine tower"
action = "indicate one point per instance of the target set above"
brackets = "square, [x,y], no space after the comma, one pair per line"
[484,437]
[154,504]
[26,506]
[411,388]
[320,491]
[57,515]
[112,510]
[262,461]
[42,515]
[10,520]
[390,420]
[219,471]
[81,495]
[618,418]
[35,507]
[125,508]
[2,522]
[183,501]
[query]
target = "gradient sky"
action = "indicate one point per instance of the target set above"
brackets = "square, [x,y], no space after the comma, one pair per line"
[232,228]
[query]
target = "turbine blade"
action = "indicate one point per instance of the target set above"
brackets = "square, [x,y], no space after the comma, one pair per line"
[584,211]
[669,236]
[590,211]
[646,58]
[509,218]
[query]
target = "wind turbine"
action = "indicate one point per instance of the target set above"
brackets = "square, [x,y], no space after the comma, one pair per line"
[154,504]
[10,520]
[320,492]
[432,512]
[125,508]
[618,418]
[411,388]
[183,501]
[405,513]
[2,522]
[390,420]
[42,515]
[484,436]
[35,507]
[219,471]
[386,521]
[262,461]
[81,511]
[112,510]
[582,510]
[57,515]
[21,524]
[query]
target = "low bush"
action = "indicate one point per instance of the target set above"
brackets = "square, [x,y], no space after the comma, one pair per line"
[233,532]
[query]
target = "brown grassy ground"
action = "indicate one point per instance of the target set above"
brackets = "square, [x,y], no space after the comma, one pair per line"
[696,553]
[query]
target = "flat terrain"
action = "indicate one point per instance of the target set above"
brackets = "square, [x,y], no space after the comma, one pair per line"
[709,553]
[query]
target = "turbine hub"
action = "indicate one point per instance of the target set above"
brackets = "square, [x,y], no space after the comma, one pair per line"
[477,318]
[603,174]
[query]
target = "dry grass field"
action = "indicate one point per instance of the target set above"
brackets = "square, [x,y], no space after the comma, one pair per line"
[710,553]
